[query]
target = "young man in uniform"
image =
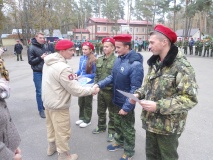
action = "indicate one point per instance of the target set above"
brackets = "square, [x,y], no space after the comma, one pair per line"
[127,75]
[168,93]
[104,66]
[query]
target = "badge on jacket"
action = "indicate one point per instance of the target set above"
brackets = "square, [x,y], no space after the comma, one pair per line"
[71,76]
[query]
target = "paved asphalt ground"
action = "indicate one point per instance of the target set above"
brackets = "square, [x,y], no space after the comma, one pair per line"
[195,143]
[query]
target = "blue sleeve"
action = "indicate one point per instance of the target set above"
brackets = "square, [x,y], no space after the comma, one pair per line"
[79,67]
[136,78]
[103,83]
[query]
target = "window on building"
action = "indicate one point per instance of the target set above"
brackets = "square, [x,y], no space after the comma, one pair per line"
[130,29]
[104,29]
[98,29]
[136,29]
[143,30]
[76,37]
[143,37]
[84,37]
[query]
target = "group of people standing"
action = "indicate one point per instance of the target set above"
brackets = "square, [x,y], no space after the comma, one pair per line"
[198,48]
[168,92]
[140,44]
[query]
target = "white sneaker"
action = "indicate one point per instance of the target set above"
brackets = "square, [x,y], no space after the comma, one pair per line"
[79,122]
[83,125]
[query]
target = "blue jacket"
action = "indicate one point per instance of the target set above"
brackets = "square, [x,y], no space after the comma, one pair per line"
[191,43]
[127,75]
[82,69]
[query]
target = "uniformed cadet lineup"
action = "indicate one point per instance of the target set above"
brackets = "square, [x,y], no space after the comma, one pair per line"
[198,47]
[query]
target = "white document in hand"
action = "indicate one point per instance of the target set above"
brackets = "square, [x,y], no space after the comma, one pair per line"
[129,95]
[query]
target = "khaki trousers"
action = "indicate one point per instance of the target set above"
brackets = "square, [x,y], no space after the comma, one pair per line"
[58,128]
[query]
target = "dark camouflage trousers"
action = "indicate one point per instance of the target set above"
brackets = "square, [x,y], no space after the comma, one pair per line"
[85,106]
[125,131]
[161,147]
[104,103]
[185,49]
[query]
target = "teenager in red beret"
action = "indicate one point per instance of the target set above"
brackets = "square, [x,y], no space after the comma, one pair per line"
[86,69]
[58,84]
[168,93]
[104,66]
[126,75]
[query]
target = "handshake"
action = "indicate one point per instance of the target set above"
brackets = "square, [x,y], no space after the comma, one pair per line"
[95,89]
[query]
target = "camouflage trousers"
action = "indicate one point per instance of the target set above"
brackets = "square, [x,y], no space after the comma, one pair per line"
[185,50]
[161,147]
[200,50]
[125,131]
[85,106]
[104,103]
[206,50]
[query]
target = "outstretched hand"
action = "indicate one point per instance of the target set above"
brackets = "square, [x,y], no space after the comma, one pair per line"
[96,89]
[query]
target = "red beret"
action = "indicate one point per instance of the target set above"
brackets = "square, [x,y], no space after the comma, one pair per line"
[170,34]
[108,39]
[89,44]
[64,44]
[123,38]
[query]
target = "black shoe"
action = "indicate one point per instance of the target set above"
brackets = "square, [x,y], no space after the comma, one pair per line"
[22,60]
[42,114]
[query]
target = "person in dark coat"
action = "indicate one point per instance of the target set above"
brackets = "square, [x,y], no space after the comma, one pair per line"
[17,50]
[36,53]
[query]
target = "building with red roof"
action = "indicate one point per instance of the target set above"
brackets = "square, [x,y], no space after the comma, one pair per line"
[98,28]
[102,27]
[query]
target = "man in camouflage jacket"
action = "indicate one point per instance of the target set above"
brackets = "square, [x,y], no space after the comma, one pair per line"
[168,93]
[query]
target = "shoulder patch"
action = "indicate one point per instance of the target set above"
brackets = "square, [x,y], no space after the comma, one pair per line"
[71,77]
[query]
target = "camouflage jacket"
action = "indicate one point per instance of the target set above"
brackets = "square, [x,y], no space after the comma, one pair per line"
[172,85]
[104,68]
[197,43]
[207,44]
[179,43]
[185,43]
[211,46]
[200,44]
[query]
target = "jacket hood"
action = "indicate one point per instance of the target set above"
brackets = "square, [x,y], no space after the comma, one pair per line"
[35,42]
[133,56]
[168,60]
[54,58]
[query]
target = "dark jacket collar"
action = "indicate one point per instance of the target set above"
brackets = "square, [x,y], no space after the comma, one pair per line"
[132,56]
[35,42]
[168,60]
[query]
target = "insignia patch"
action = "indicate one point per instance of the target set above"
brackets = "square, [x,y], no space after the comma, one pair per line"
[122,69]
[71,77]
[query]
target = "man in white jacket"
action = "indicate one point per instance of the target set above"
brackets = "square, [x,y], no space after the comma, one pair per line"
[58,84]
